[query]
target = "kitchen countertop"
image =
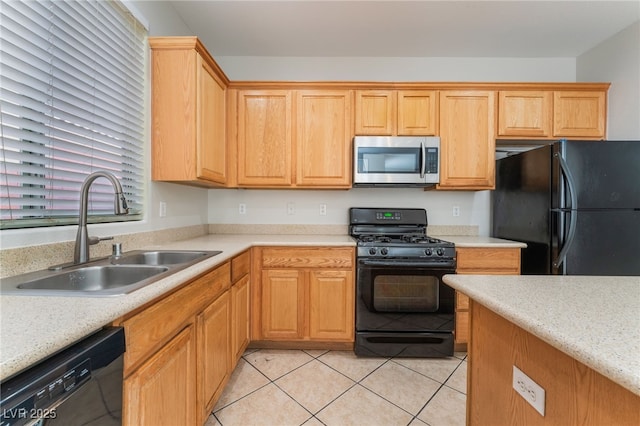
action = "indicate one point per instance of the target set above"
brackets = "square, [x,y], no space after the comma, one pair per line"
[32,328]
[592,319]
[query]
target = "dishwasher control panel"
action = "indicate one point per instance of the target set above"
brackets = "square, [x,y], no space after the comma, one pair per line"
[40,401]
[82,382]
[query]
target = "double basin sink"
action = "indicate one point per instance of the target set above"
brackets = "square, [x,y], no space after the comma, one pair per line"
[111,276]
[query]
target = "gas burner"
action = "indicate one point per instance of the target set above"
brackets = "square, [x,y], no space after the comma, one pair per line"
[420,239]
[374,239]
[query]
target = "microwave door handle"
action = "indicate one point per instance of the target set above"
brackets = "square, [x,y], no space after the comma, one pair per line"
[423,160]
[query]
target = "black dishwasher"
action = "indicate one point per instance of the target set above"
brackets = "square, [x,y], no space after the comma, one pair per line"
[82,385]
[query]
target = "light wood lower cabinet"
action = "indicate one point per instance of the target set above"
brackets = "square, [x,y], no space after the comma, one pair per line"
[178,354]
[484,261]
[214,348]
[240,305]
[304,294]
[161,391]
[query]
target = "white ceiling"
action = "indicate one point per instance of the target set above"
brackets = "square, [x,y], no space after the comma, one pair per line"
[508,28]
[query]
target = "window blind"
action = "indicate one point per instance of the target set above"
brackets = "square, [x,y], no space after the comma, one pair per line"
[71,103]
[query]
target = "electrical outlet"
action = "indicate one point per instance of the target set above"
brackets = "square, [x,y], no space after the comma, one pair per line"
[323,209]
[242,208]
[456,211]
[532,392]
[291,208]
[162,211]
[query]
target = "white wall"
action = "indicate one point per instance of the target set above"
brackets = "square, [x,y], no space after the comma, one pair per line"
[398,69]
[617,60]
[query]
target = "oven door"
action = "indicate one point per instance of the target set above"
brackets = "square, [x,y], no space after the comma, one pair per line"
[403,296]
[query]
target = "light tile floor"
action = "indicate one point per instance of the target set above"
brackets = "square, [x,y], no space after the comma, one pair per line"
[336,388]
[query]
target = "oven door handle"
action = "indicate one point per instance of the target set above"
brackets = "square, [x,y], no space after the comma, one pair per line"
[405,264]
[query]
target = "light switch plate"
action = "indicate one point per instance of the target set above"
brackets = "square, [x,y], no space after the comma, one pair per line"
[532,392]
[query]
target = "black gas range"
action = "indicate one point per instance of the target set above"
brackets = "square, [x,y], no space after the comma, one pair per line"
[398,234]
[402,306]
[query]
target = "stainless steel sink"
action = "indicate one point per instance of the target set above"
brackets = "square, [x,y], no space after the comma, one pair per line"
[94,278]
[110,276]
[162,257]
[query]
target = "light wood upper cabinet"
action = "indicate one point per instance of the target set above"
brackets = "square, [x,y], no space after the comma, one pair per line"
[376,112]
[265,142]
[579,114]
[188,113]
[323,138]
[396,112]
[290,138]
[525,113]
[549,114]
[467,139]
[417,112]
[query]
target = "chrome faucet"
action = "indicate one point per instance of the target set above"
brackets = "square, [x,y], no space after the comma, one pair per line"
[83,241]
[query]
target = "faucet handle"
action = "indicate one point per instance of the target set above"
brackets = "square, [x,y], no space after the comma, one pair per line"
[96,240]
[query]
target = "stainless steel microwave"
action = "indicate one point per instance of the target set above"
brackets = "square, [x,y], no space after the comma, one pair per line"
[396,160]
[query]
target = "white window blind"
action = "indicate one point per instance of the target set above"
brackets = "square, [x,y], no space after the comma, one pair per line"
[72,103]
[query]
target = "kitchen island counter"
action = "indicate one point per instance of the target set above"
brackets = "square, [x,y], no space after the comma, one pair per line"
[594,320]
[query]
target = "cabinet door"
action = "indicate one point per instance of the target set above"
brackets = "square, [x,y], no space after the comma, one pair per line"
[283,304]
[417,112]
[214,348]
[485,261]
[264,138]
[467,139]
[210,133]
[525,113]
[579,114]
[162,390]
[375,112]
[323,138]
[240,314]
[331,305]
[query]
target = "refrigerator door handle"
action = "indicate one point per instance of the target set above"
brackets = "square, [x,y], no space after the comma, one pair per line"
[571,187]
[570,235]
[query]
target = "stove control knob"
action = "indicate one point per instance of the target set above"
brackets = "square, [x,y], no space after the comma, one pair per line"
[440,252]
[384,251]
[428,252]
[372,251]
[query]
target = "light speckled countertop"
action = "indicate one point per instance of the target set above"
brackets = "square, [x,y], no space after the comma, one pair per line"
[595,320]
[32,328]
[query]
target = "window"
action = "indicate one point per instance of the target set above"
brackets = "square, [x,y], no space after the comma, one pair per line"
[71,103]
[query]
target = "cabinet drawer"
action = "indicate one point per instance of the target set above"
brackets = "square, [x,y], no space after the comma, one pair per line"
[240,266]
[148,330]
[299,257]
[488,260]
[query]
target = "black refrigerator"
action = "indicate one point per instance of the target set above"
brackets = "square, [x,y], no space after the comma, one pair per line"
[576,204]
